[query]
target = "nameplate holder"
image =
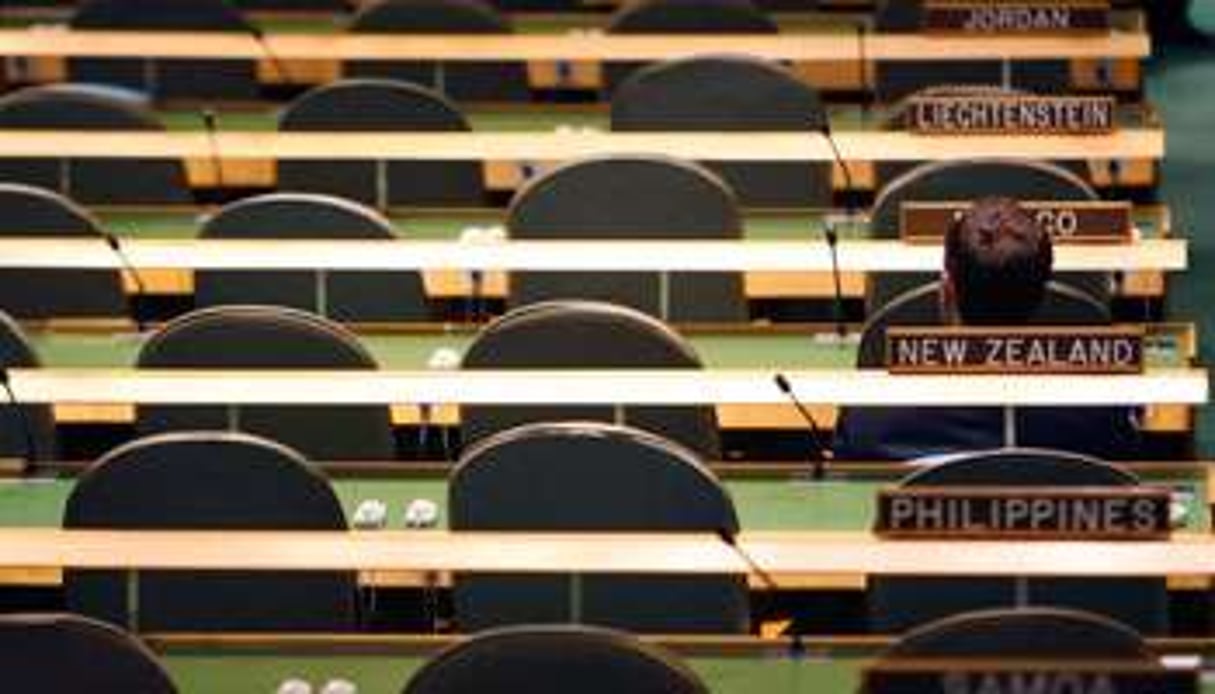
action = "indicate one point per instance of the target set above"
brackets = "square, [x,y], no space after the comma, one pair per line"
[1024,513]
[1010,114]
[1016,16]
[1068,222]
[1015,350]
[992,676]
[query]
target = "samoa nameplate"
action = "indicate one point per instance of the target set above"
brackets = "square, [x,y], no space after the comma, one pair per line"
[1088,221]
[1038,513]
[1015,350]
[1010,114]
[963,676]
[1016,16]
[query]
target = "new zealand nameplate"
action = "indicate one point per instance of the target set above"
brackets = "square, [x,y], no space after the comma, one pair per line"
[1015,350]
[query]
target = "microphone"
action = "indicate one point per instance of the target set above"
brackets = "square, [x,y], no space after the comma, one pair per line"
[798,646]
[209,123]
[832,238]
[818,471]
[112,241]
[280,68]
[27,431]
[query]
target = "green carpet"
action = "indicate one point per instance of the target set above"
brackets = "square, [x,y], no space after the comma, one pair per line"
[1180,83]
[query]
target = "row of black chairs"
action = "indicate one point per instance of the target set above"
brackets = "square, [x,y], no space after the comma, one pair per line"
[550,334]
[495,81]
[580,200]
[546,476]
[64,652]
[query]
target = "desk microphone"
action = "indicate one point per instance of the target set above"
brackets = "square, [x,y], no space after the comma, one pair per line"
[280,68]
[798,646]
[27,431]
[818,471]
[832,238]
[142,289]
[209,123]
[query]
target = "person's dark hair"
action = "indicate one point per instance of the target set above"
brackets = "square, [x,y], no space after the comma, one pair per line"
[999,260]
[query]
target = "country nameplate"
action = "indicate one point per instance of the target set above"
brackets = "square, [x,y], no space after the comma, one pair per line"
[965,676]
[1010,114]
[1016,16]
[1024,513]
[1087,221]
[1015,350]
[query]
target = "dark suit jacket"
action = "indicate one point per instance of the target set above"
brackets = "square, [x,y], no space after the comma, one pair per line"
[905,433]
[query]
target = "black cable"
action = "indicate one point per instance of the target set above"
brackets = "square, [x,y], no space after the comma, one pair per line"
[818,471]
[797,647]
[27,430]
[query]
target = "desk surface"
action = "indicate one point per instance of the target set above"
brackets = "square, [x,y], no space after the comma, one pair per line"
[1139,143]
[197,671]
[810,47]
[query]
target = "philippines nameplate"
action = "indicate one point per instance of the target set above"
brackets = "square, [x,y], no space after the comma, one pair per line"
[1026,513]
[1096,350]
[966,676]
[1010,114]
[1067,221]
[1016,16]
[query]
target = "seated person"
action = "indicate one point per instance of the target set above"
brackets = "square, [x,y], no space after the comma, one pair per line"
[997,263]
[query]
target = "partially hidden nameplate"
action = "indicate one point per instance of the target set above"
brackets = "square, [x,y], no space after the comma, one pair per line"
[1016,16]
[1038,513]
[1089,221]
[1010,114]
[1003,676]
[1015,350]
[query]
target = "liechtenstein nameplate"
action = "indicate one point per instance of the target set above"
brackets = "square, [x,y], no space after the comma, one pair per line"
[1088,221]
[1016,16]
[1015,350]
[1040,513]
[1010,114]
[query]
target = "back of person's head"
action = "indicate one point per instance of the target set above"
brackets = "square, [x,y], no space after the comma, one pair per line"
[997,263]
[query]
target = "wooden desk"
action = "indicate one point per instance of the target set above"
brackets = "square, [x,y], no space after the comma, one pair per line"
[797,48]
[640,387]
[781,554]
[811,255]
[867,146]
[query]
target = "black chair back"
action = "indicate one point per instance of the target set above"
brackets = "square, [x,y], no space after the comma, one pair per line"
[732,93]
[462,82]
[968,180]
[50,652]
[1046,633]
[341,296]
[667,199]
[91,180]
[587,334]
[895,80]
[703,17]
[554,659]
[41,294]
[167,79]
[897,604]
[380,106]
[209,481]
[268,337]
[26,431]
[588,476]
